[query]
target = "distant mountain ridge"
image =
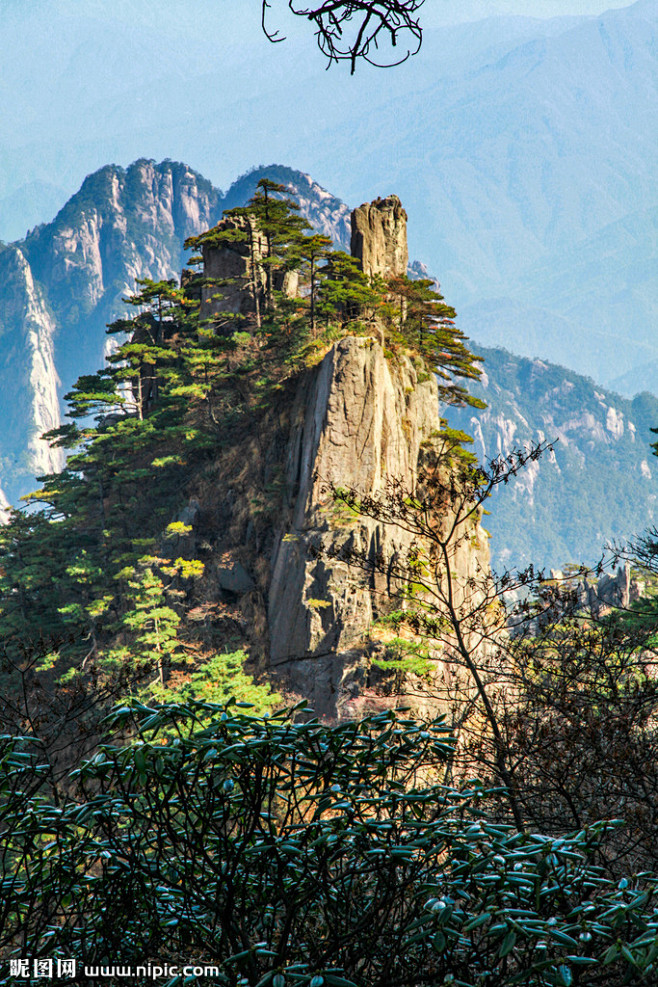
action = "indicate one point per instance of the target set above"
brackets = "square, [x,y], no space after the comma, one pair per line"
[598,485]
[530,175]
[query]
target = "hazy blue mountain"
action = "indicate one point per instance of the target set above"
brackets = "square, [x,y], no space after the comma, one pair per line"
[599,484]
[536,177]
[148,78]
[639,379]
[524,150]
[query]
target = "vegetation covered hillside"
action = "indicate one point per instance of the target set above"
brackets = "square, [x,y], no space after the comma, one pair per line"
[63,283]
[120,577]
[494,846]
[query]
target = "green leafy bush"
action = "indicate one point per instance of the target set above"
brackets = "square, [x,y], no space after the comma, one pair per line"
[289,852]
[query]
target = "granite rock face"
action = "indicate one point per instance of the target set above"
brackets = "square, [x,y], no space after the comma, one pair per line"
[28,376]
[237,279]
[357,421]
[379,237]
[4,508]
[61,286]
[617,589]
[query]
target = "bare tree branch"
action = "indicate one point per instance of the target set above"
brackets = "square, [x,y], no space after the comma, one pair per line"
[349,30]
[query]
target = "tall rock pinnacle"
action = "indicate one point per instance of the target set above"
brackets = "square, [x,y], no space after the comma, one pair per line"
[379,237]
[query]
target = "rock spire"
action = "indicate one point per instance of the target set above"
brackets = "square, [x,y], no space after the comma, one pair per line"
[379,237]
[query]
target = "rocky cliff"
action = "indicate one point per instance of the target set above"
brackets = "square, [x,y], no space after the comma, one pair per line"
[355,421]
[263,557]
[379,237]
[63,283]
[28,376]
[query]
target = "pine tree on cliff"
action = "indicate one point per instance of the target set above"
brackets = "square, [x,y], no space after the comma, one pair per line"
[312,251]
[91,564]
[283,230]
[345,292]
[273,234]
[145,361]
[427,323]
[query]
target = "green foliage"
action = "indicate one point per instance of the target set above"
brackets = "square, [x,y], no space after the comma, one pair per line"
[425,323]
[219,680]
[406,657]
[153,622]
[345,292]
[285,851]
[82,570]
[99,565]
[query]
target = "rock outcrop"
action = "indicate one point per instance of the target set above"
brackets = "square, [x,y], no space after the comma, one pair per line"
[379,237]
[356,421]
[326,213]
[28,377]
[4,508]
[234,270]
[235,278]
[617,589]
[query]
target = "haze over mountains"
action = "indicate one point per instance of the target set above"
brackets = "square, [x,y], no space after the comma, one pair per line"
[535,172]
[524,151]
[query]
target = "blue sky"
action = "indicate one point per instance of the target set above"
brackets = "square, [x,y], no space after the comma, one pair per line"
[522,145]
[87,82]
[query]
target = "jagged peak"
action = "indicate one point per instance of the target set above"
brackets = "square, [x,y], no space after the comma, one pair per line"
[283,174]
[98,190]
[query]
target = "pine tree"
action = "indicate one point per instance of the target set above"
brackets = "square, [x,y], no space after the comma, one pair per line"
[426,323]
[345,292]
[311,252]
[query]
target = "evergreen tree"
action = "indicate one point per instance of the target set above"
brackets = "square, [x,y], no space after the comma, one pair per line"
[312,252]
[345,292]
[283,230]
[427,324]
